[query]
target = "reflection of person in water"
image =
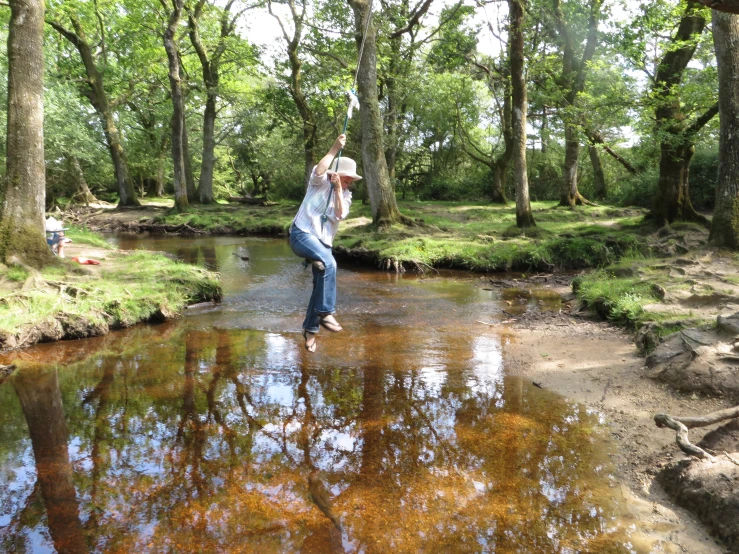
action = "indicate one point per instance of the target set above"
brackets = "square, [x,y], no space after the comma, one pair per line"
[326,202]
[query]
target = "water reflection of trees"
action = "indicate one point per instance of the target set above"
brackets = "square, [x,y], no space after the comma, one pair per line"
[207,442]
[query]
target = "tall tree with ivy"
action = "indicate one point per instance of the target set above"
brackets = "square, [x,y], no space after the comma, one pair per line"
[662,40]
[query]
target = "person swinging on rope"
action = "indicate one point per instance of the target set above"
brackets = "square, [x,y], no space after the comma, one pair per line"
[312,232]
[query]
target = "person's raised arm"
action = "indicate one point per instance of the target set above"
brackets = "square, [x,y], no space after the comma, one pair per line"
[322,166]
[339,207]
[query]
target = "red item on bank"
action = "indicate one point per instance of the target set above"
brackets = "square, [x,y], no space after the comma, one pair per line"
[85,261]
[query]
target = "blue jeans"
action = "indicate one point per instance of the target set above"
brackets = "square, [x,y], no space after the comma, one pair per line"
[323,299]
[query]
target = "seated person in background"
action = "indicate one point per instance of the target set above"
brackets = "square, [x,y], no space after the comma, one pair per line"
[55,236]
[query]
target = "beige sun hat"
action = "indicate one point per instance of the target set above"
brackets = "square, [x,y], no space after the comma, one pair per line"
[347,168]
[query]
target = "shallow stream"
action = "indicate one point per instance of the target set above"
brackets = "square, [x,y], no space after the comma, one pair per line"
[218,432]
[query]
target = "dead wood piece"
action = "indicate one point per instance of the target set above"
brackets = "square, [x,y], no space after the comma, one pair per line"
[682,424]
[664,420]
[709,419]
[732,460]
[248,200]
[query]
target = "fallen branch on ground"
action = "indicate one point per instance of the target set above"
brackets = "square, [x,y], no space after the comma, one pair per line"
[681,425]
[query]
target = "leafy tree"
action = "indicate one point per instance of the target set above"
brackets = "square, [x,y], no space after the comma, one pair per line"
[96,64]
[179,132]
[211,63]
[517,10]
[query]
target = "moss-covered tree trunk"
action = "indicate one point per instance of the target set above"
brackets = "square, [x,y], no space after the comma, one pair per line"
[599,178]
[381,194]
[23,191]
[725,224]
[676,137]
[178,108]
[524,217]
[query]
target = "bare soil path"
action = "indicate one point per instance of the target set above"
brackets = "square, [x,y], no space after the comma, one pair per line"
[597,364]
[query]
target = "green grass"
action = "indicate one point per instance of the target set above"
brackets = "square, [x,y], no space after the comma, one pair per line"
[483,237]
[82,235]
[620,299]
[128,288]
[16,274]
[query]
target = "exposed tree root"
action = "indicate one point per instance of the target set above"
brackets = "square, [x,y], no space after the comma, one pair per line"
[392,264]
[681,425]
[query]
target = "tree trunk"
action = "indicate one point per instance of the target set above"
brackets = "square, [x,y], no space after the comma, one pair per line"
[499,194]
[82,193]
[126,192]
[159,187]
[392,114]
[23,191]
[382,197]
[570,196]
[310,138]
[211,79]
[178,109]
[501,163]
[95,92]
[670,203]
[192,191]
[524,217]
[41,401]
[725,224]
[599,178]
[205,186]
[572,82]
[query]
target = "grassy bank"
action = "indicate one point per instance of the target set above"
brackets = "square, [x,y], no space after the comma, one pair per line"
[661,295]
[474,236]
[68,300]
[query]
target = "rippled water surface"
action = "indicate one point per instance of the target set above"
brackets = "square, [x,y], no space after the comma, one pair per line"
[220,433]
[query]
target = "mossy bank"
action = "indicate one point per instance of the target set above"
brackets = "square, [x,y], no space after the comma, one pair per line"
[472,236]
[67,300]
[683,284]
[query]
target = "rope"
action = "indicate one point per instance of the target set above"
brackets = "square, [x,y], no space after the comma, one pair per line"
[324,217]
[356,75]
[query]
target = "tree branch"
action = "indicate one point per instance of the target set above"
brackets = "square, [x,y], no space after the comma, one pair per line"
[701,121]
[726,6]
[413,21]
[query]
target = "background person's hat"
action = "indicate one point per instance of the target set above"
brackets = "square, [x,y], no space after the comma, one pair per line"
[347,167]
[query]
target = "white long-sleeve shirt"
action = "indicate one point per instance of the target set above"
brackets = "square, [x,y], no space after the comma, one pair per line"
[309,215]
